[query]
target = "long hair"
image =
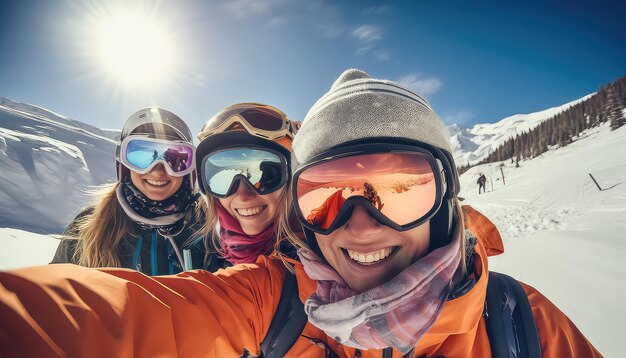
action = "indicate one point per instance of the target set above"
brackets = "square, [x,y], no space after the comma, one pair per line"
[100,232]
[285,217]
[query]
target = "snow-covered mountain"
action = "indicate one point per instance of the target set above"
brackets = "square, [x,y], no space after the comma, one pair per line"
[47,164]
[471,145]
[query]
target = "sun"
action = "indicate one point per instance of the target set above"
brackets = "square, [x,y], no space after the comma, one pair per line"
[133,48]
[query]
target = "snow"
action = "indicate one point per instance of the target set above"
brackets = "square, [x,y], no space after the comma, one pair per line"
[45,115]
[22,248]
[48,163]
[561,234]
[471,145]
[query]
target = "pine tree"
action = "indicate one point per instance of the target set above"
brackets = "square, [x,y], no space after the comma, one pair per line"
[615,108]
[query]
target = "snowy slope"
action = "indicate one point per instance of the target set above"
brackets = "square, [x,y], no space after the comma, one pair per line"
[474,144]
[47,163]
[19,248]
[561,234]
[46,115]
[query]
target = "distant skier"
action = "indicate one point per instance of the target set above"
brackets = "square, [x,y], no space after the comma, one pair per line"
[482,181]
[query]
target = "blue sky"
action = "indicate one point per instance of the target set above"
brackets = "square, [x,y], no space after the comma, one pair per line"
[474,63]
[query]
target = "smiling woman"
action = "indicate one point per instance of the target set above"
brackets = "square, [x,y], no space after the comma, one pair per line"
[133,47]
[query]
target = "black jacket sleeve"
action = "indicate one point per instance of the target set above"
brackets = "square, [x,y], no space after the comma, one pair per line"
[67,246]
[65,252]
[70,230]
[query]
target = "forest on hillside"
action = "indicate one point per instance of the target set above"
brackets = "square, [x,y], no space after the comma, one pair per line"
[607,105]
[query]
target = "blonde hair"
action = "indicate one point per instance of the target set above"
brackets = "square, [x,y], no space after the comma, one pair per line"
[100,232]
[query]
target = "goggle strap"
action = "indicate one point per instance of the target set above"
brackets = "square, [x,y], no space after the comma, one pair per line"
[442,173]
[241,120]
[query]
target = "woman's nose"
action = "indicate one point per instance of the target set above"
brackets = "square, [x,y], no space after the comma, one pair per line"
[244,192]
[159,168]
[361,224]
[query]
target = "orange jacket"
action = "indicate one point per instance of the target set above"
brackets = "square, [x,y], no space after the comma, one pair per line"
[66,310]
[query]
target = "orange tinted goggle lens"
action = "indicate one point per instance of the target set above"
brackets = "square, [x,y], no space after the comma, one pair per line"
[400,185]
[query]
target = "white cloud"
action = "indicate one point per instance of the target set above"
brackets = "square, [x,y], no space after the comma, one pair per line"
[368,33]
[244,9]
[320,15]
[458,117]
[420,83]
[278,21]
[364,50]
[376,10]
[383,56]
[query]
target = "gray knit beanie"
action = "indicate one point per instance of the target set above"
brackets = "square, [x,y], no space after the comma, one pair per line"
[358,107]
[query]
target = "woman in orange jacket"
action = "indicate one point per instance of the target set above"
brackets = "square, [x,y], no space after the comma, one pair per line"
[407,280]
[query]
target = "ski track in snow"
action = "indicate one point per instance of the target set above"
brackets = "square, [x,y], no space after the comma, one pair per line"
[561,234]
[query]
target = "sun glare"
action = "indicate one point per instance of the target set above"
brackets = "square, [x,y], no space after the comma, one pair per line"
[133,48]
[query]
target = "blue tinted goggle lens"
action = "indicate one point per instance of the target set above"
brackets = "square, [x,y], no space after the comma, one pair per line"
[143,153]
[263,169]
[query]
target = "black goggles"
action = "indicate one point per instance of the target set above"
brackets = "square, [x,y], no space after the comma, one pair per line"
[400,186]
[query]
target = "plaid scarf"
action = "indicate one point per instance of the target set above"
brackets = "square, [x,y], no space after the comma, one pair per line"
[395,314]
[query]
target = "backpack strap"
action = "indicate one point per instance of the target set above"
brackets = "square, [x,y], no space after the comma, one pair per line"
[510,322]
[288,321]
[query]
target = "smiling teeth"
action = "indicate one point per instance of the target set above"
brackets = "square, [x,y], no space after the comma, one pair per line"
[370,257]
[250,211]
[157,182]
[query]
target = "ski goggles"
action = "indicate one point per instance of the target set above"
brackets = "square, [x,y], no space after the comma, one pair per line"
[141,153]
[262,169]
[400,186]
[258,119]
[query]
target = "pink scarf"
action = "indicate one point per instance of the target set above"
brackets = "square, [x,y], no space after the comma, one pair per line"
[237,246]
[395,314]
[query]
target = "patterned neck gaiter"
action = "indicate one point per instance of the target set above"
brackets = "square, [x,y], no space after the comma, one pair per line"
[148,208]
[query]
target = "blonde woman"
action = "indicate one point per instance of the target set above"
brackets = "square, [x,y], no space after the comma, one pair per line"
[144,220]
[243,169]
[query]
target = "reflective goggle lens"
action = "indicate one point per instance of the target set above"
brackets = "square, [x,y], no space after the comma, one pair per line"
[263,119]
[143,153]
[401,186]
[263,169]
